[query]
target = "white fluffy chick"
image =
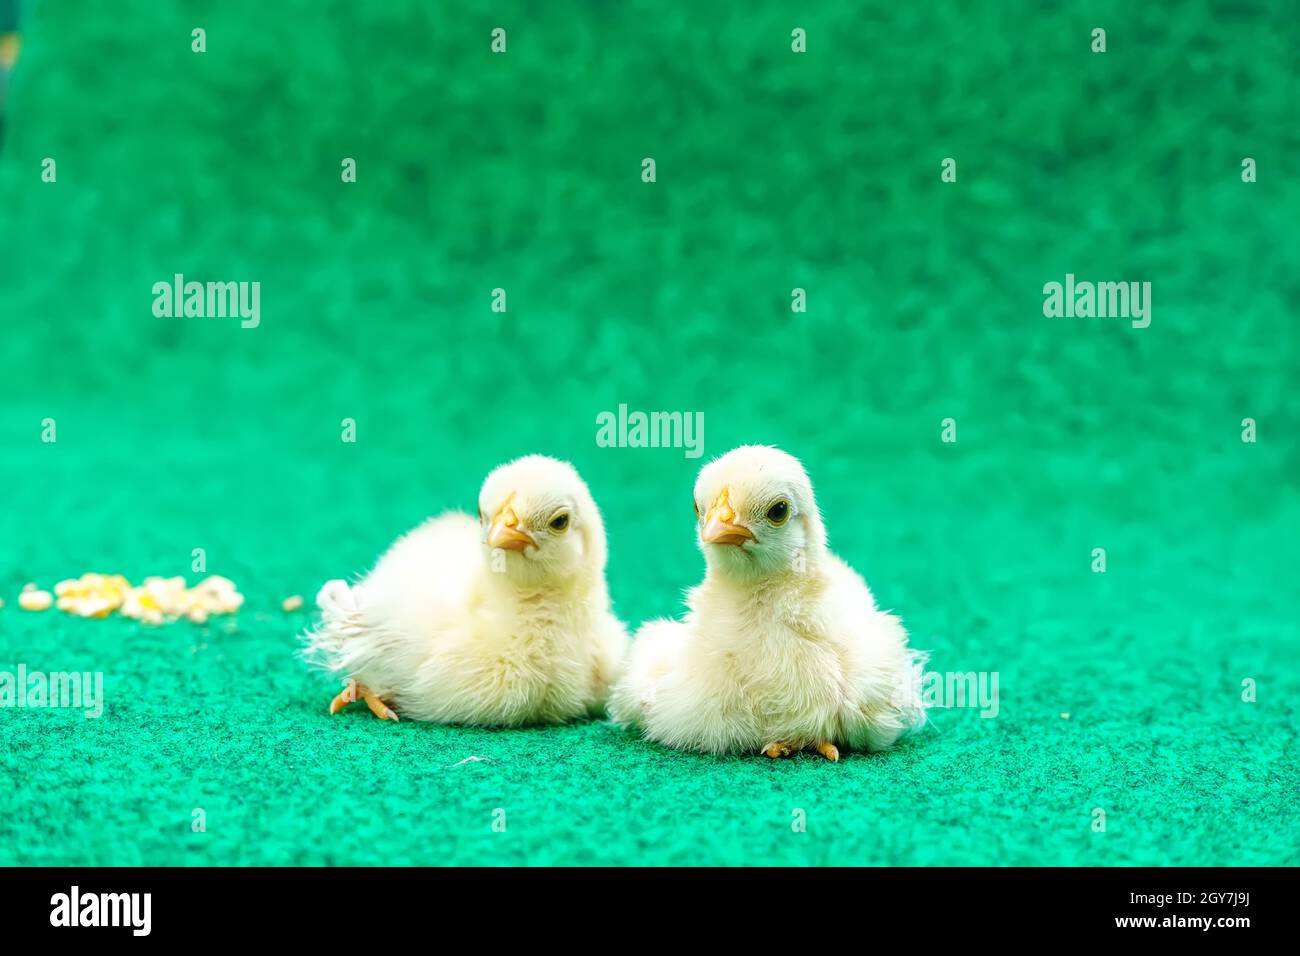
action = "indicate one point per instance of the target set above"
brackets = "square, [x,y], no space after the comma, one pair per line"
[783,647]
[502,621]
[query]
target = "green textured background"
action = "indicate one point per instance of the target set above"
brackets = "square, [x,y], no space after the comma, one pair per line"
[775,170]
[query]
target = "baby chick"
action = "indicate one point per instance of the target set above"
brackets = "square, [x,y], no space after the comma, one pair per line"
[783,647]
[503,621]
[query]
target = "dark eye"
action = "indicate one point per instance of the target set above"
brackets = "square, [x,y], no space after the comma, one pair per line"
[560,522]
[696,506]
[779,511]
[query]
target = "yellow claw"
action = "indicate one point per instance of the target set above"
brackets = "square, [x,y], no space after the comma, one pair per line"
[353,691]
[829,751]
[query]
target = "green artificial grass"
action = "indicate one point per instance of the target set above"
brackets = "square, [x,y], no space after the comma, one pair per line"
[774,171]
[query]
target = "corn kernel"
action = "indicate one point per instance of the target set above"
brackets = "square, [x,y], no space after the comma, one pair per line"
[292,603]
[34,600]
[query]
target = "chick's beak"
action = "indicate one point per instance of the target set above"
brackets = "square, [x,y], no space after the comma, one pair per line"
[720,526]
[505,534]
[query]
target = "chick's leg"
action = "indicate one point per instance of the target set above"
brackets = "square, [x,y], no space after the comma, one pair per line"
[346,696]
[352,691]
[778,749]
[829,751]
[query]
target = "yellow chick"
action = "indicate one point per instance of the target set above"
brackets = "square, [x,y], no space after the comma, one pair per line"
[501,621]
[783,647]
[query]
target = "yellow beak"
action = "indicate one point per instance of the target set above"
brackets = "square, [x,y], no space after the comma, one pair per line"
[720,526]
[505,534]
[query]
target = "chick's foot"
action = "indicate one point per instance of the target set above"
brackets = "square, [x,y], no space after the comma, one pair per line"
[352,692]
[779,749]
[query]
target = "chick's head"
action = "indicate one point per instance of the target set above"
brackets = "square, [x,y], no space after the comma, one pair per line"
[540,523]
[755,513]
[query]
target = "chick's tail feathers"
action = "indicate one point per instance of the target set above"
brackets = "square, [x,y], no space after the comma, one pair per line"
[913,697]
[655,652]
[906,714]
[887,703]
[325,646]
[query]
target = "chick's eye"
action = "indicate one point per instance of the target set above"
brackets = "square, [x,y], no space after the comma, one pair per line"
[560,522]
[779,511]
[696,506]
